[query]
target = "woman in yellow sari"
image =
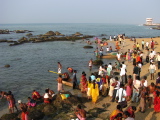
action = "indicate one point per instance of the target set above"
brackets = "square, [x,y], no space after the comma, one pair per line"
[94,92]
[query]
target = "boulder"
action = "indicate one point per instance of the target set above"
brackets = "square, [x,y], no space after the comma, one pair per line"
[7,66]
[97,62]
[77,34]
[23,39]
[57,33]
[29,34]
[50,33]
[88,46]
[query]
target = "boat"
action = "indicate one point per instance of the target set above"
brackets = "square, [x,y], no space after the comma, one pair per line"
[108,56]
[68,83]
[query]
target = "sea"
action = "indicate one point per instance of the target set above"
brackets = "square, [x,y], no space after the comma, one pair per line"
[30,62]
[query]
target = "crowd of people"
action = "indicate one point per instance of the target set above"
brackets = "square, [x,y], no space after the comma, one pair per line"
[121,88]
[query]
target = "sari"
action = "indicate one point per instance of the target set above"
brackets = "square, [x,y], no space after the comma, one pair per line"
[94,92]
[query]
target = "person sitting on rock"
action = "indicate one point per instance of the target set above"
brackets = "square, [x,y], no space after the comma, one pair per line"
[35,95]
[47,96]
[66,76]
[80,113]
[31,102]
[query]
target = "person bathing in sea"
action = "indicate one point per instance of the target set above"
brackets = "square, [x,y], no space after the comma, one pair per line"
[60,85]
[59,67]
[3,94]
[90,64]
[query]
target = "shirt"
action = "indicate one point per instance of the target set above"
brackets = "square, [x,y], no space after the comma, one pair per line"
[121,93]
[137,84]
[93,77]
[117,86]
[122,72]
[152,67]
[158,58]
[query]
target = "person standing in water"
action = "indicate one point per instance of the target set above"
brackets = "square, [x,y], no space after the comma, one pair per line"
[90,64]
[59,67]
[60,85]
[74,79]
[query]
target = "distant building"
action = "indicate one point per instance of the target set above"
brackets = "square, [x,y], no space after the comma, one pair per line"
[149,21]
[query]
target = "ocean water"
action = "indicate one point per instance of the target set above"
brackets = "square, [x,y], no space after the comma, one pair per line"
[30,62]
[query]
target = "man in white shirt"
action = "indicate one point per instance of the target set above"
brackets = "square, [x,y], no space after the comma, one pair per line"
[144,82]
[118,56]
[110,65]
[147,44]
[122,74]
[136,86]
[151,55]
[121,94]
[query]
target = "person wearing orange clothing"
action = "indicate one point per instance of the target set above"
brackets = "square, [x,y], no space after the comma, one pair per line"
[70,69]
[138,59]
[35,95]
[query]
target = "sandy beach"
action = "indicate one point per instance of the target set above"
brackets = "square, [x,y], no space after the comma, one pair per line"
[148,115]
[105,101]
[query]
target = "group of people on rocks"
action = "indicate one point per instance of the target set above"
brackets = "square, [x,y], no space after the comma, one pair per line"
[31,102]
[121,88]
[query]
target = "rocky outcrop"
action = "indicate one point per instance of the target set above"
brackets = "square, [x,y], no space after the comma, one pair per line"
[49,36]
[4,31]
[21,31]
[3,40]
[156,28]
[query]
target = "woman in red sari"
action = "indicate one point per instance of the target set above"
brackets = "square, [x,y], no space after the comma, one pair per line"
[83,82]
[157,102]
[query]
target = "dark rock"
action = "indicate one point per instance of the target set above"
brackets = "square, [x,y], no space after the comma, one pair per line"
[7,66]
[49,109]
[88,46]
[57,33]
[29,34]
[50,33]
[12,116]
[35,115]
[19,31]
[77,34]
[97,62]
[4,31]
[3,40]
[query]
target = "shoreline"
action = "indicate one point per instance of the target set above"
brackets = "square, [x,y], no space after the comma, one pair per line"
[148,114]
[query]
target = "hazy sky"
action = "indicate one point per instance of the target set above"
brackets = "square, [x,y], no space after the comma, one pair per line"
[79,11]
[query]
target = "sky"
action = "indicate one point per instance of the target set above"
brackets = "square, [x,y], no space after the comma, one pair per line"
[79,11]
